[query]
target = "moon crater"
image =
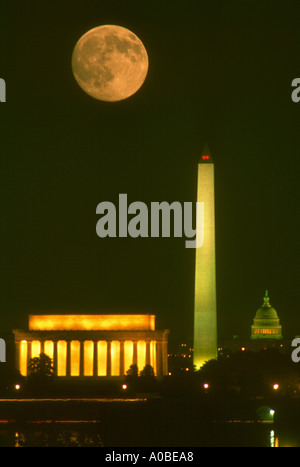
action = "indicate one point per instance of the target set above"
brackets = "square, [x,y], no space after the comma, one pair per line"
[110,63]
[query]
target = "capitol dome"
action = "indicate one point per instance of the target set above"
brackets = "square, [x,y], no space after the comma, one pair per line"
[266,323]
[266,311]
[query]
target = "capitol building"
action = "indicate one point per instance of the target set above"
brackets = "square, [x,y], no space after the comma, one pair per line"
[266,323]
[265,332]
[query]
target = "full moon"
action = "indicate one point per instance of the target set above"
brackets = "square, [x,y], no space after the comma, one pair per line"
[110,63]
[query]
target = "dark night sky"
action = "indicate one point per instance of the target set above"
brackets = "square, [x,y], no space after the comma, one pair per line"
[219,72]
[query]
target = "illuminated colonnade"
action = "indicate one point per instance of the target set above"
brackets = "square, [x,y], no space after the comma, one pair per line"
[90,358]
[78,352]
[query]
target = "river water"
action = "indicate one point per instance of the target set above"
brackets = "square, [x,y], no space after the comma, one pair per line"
[136,423]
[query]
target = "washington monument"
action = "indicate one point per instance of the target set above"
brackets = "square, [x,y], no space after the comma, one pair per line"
[205,307]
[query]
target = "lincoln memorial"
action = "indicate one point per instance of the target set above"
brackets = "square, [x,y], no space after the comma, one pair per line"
[93,345]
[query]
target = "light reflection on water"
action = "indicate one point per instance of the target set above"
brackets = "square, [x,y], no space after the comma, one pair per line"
[136,424]
[71,434]
[88,433]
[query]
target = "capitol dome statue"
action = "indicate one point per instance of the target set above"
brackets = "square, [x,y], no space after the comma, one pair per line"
[266,323]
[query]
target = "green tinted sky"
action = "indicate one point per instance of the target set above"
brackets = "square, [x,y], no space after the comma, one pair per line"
[219,73]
